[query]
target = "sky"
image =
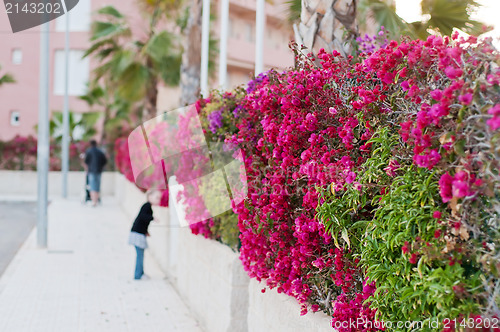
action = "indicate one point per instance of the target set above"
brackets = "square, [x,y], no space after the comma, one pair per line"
[488,13]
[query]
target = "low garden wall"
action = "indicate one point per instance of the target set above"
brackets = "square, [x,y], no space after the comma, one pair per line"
[24,183]
[271,311]
[210,277]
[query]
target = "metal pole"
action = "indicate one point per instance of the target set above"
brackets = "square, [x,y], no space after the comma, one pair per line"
[43,137]
[65,137]
[223,43]
[260,22]
[205,35]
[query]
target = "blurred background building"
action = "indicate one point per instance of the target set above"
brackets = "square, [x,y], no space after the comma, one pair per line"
[20,57]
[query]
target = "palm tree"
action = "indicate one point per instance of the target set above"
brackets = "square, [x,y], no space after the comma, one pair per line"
[191,56]
[333,24]
[191,28]
[132,68]
[116,112]
[6,78]
[439,16]
[328,24]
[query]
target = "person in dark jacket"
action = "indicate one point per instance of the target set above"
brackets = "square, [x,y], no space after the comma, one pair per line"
[95,160]
[139,230]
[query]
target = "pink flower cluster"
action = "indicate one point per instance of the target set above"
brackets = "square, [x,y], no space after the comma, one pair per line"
[460,185]
[494,122]
[353,315]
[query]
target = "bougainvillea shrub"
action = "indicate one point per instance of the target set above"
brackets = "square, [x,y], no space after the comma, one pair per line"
[400,152]
[20,153]
[373,184]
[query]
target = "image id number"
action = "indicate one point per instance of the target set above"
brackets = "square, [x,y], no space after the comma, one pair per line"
[33,8]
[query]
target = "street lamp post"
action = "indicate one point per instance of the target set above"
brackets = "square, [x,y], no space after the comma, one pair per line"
[223,43]
[65,136]
[205,36]
[43,138]
[260,22]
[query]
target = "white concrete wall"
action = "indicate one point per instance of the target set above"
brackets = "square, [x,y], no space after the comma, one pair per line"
[211,278]
[24,183]
[271,311]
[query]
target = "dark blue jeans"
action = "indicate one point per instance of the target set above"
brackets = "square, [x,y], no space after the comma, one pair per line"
[139,264]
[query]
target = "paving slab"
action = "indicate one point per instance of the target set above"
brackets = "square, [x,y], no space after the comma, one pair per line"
[84,281]
[17,219]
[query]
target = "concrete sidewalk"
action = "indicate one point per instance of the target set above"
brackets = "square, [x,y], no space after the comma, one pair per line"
[84,280]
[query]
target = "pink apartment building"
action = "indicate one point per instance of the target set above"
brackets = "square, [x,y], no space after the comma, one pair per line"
[19,56]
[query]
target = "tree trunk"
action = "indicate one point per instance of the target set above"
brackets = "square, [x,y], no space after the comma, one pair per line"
[328,24]
[149,110]
[104,121]
[191,57]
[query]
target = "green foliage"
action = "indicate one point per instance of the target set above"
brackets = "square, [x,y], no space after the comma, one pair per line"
[385,15]
[293,10]
[444,15]
[387,223]
[225,229]
[441,16]
[348,214]
[81,125]
[132,67]
[116,110]
[6,78]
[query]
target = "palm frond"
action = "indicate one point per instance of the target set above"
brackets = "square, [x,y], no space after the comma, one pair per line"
[293,9]
[6,78]
[170,69]
[134,80]
[448,14]
[385,15]
[97,46]
[159,46]
[111,11]
[108,30]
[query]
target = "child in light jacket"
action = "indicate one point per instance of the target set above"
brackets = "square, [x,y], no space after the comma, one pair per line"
[139,230]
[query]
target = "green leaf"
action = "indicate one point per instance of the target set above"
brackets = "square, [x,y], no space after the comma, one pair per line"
[134,82]
[448,14]
[105,30]
[335,241]
[345,236]
[110,10]
[159,46]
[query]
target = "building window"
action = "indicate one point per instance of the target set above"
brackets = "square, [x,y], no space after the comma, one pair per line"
[17,56]
[15,118]
[78,73]
[79,18]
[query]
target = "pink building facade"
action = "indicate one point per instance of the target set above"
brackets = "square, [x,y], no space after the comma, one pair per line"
[19,56]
